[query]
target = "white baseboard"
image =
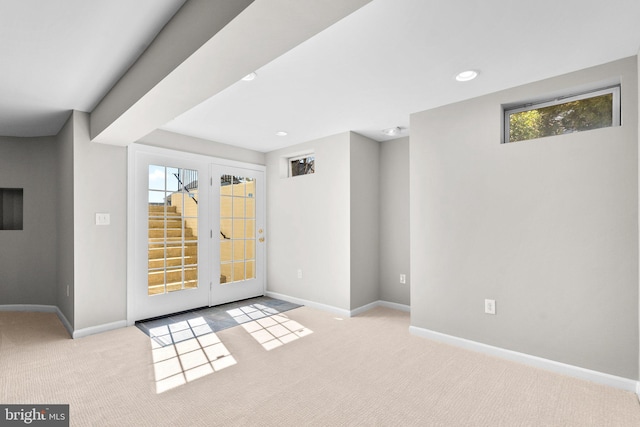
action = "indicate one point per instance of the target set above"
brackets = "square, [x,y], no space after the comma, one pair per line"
[324,307]
[65,321]
[380,303]
[395,306]
[79,333]
[527,359]
[336,310]
[29,307]
[363,308]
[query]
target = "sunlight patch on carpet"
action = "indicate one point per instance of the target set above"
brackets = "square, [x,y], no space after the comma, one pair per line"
[270,328]
[185,351]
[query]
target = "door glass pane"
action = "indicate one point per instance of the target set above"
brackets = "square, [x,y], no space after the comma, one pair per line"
[172,229]
[157,178]
[238,271]
[225,228]
[225,250]
[237,233]
[250,269]
[238,229]
[238,207]
[157,257]
[156,203]
[225,206]
[250,228]
[250,249]
[173,179]
[250,207]
[238,250]
[239,186]
[225,273]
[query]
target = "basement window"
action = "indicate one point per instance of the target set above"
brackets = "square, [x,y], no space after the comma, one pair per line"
[11,200]
[573,113]
[302,165]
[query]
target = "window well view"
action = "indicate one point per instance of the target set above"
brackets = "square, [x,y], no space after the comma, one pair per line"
[593,110]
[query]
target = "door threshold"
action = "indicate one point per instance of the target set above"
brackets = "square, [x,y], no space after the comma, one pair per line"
[218,317]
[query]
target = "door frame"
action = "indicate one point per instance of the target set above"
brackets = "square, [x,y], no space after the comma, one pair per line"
[133,211]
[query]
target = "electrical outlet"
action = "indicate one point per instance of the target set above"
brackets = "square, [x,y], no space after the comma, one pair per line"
[490,306]
[299,273]
[103,219]
[403,278]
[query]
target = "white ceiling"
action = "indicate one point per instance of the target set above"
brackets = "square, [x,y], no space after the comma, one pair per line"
[368,72]
[61,55]
[392,58]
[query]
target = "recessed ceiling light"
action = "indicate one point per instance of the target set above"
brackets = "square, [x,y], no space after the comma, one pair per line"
[249,77]
[465,76]
[392,131]
[281,133]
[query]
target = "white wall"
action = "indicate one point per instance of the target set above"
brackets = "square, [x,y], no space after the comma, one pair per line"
[100,252]
[548,228]
[65,249]
[365,220]
[308,224]
[638,68]
[96,271]
[28,257]
[327,224]
[394,220]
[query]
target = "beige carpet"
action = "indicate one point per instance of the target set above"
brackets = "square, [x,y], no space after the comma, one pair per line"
[364,371]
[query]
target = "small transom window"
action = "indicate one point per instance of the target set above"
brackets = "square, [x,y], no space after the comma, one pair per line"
[575,113]
[302,165]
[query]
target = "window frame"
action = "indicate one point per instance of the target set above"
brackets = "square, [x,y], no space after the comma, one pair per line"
[290,160]
[616,110]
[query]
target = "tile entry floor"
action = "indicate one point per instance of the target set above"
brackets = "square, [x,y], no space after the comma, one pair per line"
[219,317]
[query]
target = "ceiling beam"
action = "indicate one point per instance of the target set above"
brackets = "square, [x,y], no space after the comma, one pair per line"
[206,47]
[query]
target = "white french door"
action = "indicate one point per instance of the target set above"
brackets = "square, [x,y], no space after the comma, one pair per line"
[196,232]
[237,200]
